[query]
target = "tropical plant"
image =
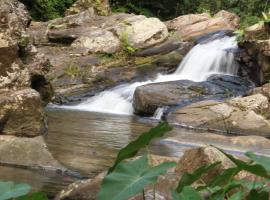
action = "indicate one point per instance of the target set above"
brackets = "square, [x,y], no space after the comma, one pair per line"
[10,190]
[266,17]
[126,45]
[127,179]
[240,35]
[73,70]
[226,186]
[47,9]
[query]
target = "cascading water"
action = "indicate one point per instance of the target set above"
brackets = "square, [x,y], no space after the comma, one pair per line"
[202,61]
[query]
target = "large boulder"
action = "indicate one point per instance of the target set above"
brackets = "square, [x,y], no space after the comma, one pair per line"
[22,69]
[27,152]
[141,32]
[97,42]
[202,24]
[255,53]
[21,113]
[242,115]
[184,92]
[186,20]
[204,156]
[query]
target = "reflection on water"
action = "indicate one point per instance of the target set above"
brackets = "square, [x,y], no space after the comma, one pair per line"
[88,143]
[50,182]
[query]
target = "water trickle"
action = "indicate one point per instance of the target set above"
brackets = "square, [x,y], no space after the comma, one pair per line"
[204,60]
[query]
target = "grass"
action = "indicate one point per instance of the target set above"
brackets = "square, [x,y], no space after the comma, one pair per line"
[73,70]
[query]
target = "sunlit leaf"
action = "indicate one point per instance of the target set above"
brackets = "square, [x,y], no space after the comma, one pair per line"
[255,169]
[188,193]
[224,177]
[35,196]
[188,179]
[261,160]
[129,179]
[236,196]
[132,148]
[9,190]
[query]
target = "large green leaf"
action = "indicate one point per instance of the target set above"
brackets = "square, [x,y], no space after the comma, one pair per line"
[188,179]
[255,169]
[35,196]
[223,191]
[236,196]
[9,190]
[188,193]
[132,148]
[224,177]
[129,179]
[261,160]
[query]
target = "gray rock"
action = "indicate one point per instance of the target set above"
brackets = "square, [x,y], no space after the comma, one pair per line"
[243,116]
[141,32]
[21,113]
[98,41]
[27,152]
[184,92]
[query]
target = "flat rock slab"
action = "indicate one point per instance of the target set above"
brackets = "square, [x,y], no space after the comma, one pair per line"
[242,115]
[27,152]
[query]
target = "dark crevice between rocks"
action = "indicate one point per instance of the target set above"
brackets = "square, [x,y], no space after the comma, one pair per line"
[45,89]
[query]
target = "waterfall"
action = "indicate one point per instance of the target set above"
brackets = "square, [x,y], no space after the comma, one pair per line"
[205,59]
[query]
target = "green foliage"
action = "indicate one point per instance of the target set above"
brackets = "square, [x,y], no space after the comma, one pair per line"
[47,9]
[129,179]
[10,190]
[73,71]
[240,35]
[266,17]
[225,186]
[35,196]
[188,193]
[127,46]
[133,148]
[249,10]
[188,179]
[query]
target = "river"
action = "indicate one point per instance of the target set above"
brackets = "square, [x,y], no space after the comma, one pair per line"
[87,143]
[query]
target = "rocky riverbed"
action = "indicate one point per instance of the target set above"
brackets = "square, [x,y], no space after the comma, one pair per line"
[69,59]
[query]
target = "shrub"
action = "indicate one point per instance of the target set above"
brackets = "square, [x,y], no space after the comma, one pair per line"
[47,9]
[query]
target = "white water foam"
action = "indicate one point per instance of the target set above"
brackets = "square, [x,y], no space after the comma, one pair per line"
[201,62]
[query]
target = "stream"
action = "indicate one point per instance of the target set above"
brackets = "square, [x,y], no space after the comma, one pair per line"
[88,142]
[86,137]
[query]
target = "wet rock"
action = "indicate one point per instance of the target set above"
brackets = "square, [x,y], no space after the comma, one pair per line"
[255,54]
[27,152]
[242,115]
[97,42]
[21,113]
[200,25]
[184,92]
